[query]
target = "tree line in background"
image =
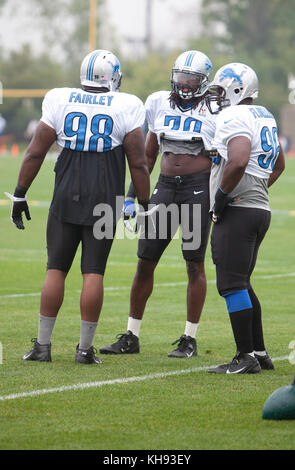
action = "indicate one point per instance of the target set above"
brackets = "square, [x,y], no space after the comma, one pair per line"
[259,33]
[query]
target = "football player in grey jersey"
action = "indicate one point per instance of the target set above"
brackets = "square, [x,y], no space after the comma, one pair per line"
[250,160]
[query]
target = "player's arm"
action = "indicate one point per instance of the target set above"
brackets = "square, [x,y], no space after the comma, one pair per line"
[238,154]
[151,149]
[35,153]
[151,152]
[134,149]
[278,169]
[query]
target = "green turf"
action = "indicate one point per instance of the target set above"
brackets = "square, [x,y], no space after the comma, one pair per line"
[192,410]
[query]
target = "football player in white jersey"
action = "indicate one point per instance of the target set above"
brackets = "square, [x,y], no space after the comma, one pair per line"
[181,129]
[95,126]
[250,160]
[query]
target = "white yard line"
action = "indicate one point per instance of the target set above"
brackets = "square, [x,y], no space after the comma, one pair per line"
[164,284]
[121,380]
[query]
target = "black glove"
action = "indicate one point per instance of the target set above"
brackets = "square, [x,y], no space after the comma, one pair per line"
[221,201]
[19,205]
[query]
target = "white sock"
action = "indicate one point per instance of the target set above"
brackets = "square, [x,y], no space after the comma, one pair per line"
[260,353]
[134,325]
[251,354]
[191,329]
[46,325]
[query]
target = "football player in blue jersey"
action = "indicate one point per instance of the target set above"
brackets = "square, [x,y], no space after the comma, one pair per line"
[95,126]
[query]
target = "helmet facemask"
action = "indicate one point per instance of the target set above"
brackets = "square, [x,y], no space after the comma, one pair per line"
[216,99]
[188,85]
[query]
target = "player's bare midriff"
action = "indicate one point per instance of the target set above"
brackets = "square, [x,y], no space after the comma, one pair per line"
[184,164]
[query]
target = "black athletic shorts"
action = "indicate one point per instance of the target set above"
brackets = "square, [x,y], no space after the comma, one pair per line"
[63,240]
[184,202]
[235,241]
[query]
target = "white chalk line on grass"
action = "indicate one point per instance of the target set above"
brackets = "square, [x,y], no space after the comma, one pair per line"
[122,380]
[110,288]
[164,284]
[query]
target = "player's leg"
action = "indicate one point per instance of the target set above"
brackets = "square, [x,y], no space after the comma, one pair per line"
[141,290]
[257,326]
[232,243]
[94,257]
[195,225]
[142,287]
[258,337]
[149,253]
[196,294]
[196,290]
[62,242]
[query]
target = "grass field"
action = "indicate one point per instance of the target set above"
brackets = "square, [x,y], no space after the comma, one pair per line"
[146,401]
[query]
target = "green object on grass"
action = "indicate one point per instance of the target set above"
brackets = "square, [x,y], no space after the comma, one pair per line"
[280,404]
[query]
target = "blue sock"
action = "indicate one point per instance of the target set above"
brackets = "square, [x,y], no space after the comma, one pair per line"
[241,316]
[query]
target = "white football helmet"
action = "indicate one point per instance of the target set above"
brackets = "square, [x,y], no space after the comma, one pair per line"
[191,74]
[101,68]
[233,83]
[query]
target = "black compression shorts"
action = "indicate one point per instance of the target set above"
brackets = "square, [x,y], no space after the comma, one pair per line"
[235,241]
[63,240]
[188,198]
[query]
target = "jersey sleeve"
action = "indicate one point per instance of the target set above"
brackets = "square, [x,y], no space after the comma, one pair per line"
[230,125]
[150,112]
[136,114]
[49,109]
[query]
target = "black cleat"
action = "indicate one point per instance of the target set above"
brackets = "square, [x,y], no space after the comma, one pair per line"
[127,343]
[265,362]
[187,347]
[39,352]
[242,363]
[87,356]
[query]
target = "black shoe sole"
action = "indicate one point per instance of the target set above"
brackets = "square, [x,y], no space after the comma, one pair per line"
[182,357]
[88,362]
[36,360]
[106,351]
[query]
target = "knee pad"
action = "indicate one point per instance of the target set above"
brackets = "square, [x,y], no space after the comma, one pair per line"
[236,301]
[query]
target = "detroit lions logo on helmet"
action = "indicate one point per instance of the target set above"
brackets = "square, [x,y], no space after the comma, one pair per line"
[230,73]
[115,67]
[208,66]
